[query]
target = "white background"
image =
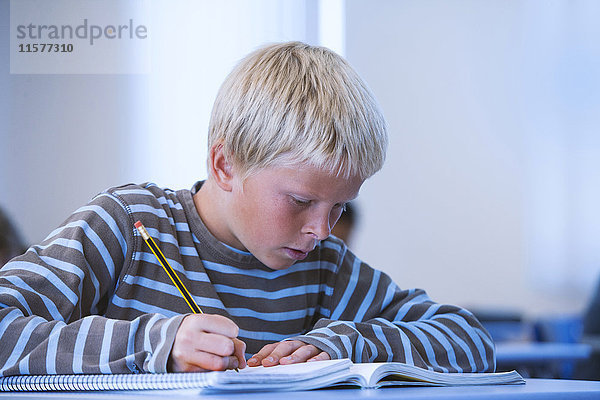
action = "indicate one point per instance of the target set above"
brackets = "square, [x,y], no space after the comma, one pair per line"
[490,194]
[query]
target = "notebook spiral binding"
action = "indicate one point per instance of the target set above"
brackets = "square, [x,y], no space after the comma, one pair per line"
[100,382]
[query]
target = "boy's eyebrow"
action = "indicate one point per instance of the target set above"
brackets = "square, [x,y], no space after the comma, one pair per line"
[310,195]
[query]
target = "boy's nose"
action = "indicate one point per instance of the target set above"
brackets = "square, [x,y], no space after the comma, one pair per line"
[319,227]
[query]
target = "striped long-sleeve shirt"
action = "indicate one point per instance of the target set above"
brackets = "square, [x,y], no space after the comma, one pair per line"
[92,298]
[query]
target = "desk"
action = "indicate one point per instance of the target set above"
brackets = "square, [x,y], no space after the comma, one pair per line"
[535,389]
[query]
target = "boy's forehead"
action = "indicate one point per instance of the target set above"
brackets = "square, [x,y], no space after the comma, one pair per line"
[311,180]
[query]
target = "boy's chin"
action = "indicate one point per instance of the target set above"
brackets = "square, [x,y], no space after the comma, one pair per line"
[278,264]
[279,267]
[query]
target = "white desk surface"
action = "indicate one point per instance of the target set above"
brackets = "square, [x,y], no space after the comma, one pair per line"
[534,389]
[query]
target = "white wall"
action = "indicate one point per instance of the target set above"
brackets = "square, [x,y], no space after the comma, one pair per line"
[489,195]
[61,139]
[64,138]
[481,198]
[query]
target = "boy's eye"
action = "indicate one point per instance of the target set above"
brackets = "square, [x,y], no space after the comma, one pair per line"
[299,201]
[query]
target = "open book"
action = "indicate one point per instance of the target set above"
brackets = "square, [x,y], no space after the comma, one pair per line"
[305,376]
[321,374]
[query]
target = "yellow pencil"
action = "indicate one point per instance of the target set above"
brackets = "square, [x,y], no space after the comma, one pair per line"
[169,270]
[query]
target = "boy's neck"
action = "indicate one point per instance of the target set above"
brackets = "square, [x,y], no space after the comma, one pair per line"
[211,206]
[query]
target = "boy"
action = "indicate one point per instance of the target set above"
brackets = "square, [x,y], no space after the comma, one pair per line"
[293,135]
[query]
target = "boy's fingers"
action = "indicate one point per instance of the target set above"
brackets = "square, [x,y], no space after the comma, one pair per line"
[214,363]
[320,357]
[211,323]
[240,352]
[216,344]
[256,359]
[207,342]
[282,349]
[208,351]
[199,361]
[302,354]
[287,352]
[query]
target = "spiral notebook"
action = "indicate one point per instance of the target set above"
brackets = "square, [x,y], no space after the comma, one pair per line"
[305,376]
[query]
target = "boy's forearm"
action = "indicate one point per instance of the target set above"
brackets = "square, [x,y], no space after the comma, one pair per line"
[94,344]
[436,343]
[49,297]
[369,318]
[389,323]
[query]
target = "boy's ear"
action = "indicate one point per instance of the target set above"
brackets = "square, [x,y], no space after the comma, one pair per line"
[220,167]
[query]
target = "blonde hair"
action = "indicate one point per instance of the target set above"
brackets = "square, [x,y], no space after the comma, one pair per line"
[294,103]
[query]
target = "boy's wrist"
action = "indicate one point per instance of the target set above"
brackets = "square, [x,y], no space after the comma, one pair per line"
[158,362]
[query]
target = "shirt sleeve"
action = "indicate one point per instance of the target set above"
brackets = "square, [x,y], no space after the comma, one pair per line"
[52,299]
[370,319]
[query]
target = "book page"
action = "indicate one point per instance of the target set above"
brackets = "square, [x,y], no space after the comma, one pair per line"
[283,373]
[395,373]
[365,374]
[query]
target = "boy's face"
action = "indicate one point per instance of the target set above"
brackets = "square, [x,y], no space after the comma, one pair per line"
[279,214]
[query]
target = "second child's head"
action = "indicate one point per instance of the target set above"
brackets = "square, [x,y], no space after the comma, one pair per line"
[297,132]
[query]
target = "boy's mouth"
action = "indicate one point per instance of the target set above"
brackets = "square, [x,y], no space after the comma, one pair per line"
[296,254]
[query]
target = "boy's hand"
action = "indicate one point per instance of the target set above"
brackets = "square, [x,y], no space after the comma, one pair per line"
[206,342]
[287,352]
